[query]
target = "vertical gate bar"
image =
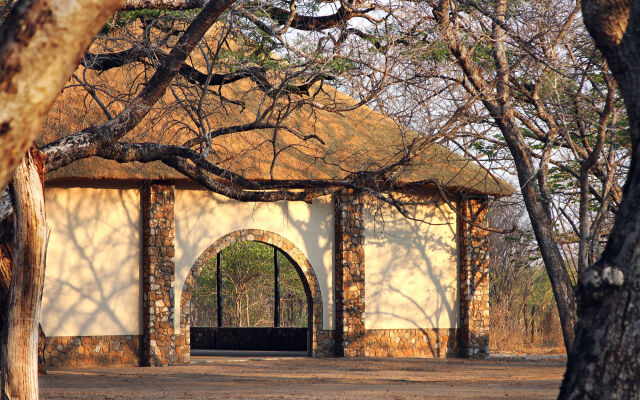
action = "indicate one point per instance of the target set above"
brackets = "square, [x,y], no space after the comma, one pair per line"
[219,289]
[276,289]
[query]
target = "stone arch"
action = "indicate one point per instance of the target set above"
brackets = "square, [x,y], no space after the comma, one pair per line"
[298,259]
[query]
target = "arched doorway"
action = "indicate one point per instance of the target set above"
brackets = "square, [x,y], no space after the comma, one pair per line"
[286,248]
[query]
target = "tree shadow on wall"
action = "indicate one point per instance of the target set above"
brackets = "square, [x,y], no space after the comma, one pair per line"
[415,283]
[92,285]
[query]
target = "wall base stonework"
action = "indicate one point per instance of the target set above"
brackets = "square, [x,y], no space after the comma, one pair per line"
[183,349]
[79,351]
[427,343]
[125,350]
[325,344]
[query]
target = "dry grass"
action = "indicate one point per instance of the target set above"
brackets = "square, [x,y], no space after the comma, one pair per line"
[510,335]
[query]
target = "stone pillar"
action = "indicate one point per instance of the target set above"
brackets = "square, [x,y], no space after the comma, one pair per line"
[349,274]
[158,273]
[474,277]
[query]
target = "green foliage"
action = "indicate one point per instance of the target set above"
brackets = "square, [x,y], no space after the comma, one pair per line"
[483,54]
[489,149]
[438,52]
[541,294]
[559,179]
[340,65]
[248,289]
[252,54]
[124,18]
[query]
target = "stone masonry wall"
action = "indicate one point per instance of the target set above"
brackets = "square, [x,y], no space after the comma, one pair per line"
[474,278]
[183,348]
[78,351]
[349,274]
[428,343]
[158,273]
[325,344]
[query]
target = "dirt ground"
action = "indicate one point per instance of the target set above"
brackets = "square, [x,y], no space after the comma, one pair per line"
[263,377]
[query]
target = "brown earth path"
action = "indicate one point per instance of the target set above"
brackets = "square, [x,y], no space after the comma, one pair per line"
[305,378]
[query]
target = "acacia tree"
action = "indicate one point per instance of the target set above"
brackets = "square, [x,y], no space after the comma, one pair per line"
[511,64]
[20,377]
[520,86]
[513,97]
[603,357]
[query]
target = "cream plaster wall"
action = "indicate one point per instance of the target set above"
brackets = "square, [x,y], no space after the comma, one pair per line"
[202,218]
[92,281]
[411,269]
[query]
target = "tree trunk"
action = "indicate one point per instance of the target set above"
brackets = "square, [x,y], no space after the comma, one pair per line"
[5,274]
[19,355]
[6,237]
[41,43]
[603,363]
[533,194]
[42,345]
[533,324]
[498,103]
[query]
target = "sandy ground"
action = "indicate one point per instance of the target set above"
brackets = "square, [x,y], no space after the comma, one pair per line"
[264,377]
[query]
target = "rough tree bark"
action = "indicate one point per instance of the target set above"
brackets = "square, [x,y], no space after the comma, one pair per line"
[603,363]
[6,240]
[5,270]
[34,68]
[19,346]
[18,358]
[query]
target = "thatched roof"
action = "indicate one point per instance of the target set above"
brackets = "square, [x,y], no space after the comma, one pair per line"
[344,142]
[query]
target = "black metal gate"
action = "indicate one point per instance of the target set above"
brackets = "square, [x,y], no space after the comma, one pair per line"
[276,339]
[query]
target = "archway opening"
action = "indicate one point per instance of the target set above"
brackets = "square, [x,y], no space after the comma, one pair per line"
[251,296]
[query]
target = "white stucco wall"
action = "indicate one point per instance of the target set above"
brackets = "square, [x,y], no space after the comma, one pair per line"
[202,218]
[92,280]
[411,269]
